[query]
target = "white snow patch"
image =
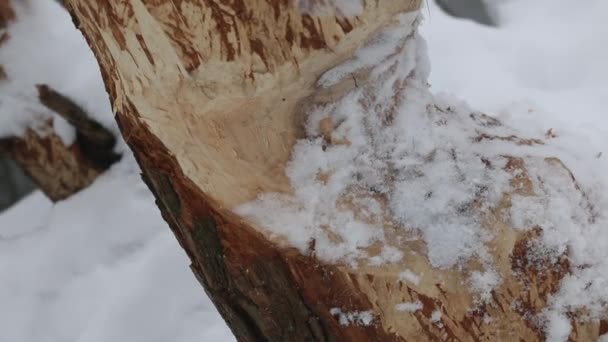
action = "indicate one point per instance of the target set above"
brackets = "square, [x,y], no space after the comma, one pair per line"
[436,316]
[483,283]
[21,220]
[410,307]
[65,131]
[346,318]
[410,276]
[558,327]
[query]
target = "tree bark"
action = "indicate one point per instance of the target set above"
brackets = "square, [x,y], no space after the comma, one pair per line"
[209,95]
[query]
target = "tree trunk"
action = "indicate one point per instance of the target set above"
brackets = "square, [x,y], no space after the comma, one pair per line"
[210,95]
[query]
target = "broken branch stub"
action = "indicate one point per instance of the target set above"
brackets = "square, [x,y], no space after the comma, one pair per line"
[57,169]
[96,142]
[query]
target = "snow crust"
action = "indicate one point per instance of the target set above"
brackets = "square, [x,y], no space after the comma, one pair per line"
[410,307]
[436,316]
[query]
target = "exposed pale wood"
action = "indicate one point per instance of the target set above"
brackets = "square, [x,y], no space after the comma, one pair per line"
[209,95]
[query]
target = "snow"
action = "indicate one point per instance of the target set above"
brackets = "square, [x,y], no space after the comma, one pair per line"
[436,316]
[410,307]
[558,327]
[410,276]
[64,130]
[483,283]
[346,318]
[33,55]
[103,266]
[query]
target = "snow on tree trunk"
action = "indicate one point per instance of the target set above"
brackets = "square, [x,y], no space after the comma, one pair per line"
[320,190]
[32,137]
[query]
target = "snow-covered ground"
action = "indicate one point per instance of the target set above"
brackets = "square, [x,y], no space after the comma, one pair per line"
[543,68]
[103,266]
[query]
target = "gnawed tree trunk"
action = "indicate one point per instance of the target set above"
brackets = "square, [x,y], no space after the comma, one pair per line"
[57,169]
[211,96]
